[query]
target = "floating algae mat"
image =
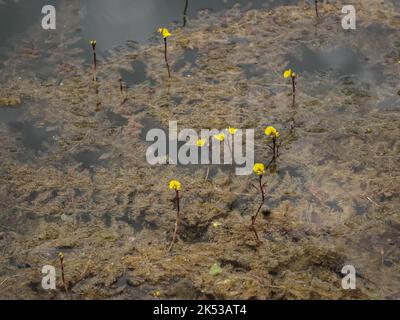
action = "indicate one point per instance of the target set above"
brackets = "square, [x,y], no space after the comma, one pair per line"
[74,177]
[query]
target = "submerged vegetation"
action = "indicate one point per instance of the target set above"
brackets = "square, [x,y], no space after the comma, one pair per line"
[74,175]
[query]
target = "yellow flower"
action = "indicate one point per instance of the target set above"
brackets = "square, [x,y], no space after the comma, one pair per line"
[93,43]
[288,73]
[61,255]
[259,169]
[271,131]
[175,185]
[219,136]
[201,142]
[232,131]
[165,33]
[157,294]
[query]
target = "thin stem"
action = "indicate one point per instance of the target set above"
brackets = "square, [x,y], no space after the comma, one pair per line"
[293,91]
[272,161]
[294,85]
[123,93]
[94,65]
[121,87]
[316,8]
[185,13]
[231,152]
[254,218]
[63,276]
[262,198]
[209,160]
[177,220]
[166,56]
[274,143]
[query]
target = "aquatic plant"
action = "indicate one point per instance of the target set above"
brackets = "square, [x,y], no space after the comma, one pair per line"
[220,136]
[165,34]
[61,256]
[259,170]
[176,186]
[201,143]
[93,43]
[232,131]
[272,132]
[291,74]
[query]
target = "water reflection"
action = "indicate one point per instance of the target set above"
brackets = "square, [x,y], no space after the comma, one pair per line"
[138,75]
[33,137]
[112,23]
[342,61]
[17,16]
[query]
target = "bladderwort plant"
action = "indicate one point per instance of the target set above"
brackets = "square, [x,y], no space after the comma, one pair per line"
[232,131]
[291,74]
[274,134]
[176,186]
[61,256]
[221,138]
[207,142]
[93,44]
[201,143]
[165,34]
[259,170]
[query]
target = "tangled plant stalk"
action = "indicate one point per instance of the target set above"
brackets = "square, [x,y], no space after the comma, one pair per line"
[61,256]
[93,43]
[259,169]
[165,34]
[176,186]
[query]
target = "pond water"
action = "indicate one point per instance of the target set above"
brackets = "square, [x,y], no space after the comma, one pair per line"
[73,169]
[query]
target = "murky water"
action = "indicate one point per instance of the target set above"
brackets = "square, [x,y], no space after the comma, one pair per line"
[74,176]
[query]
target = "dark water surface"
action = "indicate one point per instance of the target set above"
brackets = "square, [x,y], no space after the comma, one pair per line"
[112,23]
